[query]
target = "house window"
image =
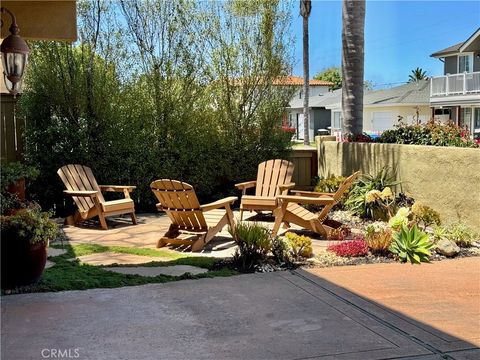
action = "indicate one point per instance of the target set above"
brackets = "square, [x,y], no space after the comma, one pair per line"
[477,119]
[465,117]
[465,63]
[337,120]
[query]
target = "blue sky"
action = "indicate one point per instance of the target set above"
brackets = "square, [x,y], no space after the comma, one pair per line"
[399,36]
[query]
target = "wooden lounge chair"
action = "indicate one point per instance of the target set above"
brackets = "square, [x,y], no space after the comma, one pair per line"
[179,201]
[273,179]
[87,194]
[290,211]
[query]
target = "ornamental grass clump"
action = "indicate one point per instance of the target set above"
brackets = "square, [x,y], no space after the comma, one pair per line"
[254,243]
[411,244]
[350,248]
[378,237]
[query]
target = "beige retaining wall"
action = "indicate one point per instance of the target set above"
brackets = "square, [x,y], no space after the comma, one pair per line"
[445,178]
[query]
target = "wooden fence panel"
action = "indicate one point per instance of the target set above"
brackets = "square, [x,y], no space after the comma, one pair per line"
[12,130]
[306,165]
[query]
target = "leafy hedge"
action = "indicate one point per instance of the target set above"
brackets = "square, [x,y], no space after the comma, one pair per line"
[430,133]
[168,105]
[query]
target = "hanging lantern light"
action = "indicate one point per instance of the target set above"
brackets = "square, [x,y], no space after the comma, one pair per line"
[14,56]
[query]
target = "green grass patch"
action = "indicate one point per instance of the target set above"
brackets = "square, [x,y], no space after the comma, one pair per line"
[68,274]
[87,249]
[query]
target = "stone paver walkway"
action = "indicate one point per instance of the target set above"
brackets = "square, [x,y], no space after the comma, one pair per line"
[174,270]
[150,227]
[109,258]
[365,312]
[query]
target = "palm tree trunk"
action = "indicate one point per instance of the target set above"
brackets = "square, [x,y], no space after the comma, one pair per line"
[306,77]
[353,26]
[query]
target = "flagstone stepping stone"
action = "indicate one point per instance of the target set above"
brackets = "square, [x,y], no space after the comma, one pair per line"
[174,270]
[49,264]
[109,258]
[55,252]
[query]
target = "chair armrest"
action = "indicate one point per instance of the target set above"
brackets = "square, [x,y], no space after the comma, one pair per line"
[219,203]
[81,193]
[284,187]
[117,188]
[311,193]
[246,184]
[306,200]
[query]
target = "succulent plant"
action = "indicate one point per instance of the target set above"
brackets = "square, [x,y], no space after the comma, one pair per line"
[411,245]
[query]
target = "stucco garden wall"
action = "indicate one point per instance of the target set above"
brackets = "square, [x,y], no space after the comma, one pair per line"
[445,178]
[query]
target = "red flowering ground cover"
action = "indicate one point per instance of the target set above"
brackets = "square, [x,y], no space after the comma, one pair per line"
[350,248]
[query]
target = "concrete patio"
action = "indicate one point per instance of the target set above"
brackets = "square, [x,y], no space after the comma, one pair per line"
[385,311]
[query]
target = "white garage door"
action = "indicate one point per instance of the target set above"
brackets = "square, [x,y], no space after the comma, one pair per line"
[382,120]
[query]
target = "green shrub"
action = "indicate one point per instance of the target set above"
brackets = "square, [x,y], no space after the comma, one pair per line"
[411,245]
[300,246]
[431,133]
[378,237]
[14,171]
[280,250]
[372,197]
[254,243]
[425,215]
[458,232]
[329,184]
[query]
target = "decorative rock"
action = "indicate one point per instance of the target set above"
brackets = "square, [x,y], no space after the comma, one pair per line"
[447,248]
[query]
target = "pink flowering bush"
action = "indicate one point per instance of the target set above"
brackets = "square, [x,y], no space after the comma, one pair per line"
[430,133]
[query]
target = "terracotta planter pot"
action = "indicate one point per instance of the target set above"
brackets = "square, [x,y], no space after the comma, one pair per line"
[22,264]
[18,188]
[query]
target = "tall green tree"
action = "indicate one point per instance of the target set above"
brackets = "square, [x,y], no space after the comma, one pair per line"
[417,74]
[332,74]
[353,49]
[305,9]
[158,88]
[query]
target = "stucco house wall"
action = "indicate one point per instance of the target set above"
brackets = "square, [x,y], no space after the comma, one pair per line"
[445,178]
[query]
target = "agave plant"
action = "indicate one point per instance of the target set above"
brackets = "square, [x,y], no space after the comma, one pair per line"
[411,245]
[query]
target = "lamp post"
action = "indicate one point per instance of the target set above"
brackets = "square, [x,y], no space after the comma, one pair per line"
[14,56]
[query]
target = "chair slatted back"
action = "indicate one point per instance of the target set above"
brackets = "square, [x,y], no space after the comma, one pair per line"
[347,183]
[80,178]
[179,201]
[272,173]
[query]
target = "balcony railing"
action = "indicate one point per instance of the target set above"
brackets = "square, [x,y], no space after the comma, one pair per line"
[456,84]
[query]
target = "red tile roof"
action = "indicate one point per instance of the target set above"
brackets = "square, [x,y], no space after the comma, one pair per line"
[298,81]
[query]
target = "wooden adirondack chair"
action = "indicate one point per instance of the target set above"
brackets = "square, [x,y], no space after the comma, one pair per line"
[179,201]
[87,194]
[289,210]
[273,179]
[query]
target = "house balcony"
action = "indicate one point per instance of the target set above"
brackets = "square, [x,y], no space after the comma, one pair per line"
[456,88]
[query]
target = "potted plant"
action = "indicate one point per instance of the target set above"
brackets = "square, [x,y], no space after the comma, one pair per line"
[13,176]
[24,240]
